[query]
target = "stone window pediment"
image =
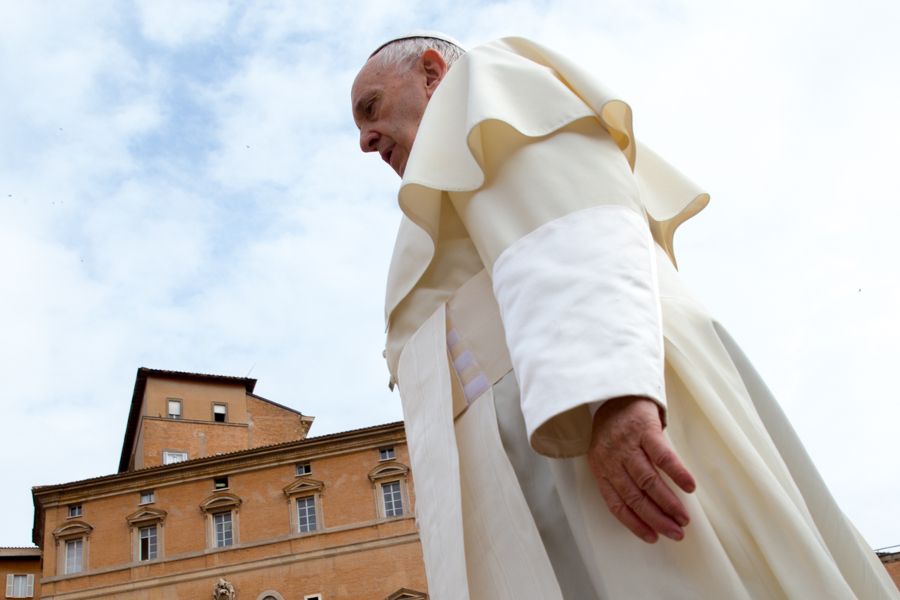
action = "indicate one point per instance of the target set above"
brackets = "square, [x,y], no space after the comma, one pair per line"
[72,529]
[304,485]
[389,470]
[220,502]
[146,516]
[407,594]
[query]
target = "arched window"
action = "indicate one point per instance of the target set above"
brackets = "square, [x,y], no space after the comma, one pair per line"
[305,501]
[389,482]
[221,510]
[72,547]
[146,526]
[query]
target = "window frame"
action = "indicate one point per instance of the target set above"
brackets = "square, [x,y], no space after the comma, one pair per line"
[219,503]
[11,585]
[224,413]
[394,498]
[167,453]
[144,494]
[305,487]
[74,511]
[76,531]
[175,416]
[303,469]
[386,473]
[140,519]
[307,502]
[226,540]
[152,542]
[77,557]
[387,453]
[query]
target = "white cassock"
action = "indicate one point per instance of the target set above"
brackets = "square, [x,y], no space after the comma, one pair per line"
[533,279]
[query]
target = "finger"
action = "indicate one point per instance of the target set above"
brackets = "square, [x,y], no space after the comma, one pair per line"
[624,514]
[648,479]
[645,508]
[661,454]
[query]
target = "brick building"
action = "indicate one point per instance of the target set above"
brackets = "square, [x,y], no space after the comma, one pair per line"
[221,491]
[20,572]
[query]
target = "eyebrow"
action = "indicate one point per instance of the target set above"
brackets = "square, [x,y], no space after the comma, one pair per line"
[360,107]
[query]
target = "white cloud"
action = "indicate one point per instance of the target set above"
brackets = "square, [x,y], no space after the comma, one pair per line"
[175,23]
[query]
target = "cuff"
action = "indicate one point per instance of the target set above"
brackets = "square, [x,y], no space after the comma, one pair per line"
[580,306]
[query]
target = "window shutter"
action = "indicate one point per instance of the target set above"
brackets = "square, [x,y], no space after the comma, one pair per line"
[9,585]
[29,591]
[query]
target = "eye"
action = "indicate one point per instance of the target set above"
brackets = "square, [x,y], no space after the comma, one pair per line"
[370,108]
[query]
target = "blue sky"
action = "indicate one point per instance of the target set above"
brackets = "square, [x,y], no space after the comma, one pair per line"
[181,188]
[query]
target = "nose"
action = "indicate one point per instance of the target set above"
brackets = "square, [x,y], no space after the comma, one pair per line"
[368,140]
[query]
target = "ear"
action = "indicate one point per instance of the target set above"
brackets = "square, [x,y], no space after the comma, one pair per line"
[434,67]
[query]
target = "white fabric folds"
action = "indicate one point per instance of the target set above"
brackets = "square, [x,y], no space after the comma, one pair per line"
[581,312]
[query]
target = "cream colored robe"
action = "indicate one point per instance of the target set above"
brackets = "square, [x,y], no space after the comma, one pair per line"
[538,236]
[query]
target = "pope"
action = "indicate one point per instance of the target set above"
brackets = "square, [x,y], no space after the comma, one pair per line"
[580,427]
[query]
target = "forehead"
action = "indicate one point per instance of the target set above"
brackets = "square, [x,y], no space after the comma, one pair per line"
[371,75]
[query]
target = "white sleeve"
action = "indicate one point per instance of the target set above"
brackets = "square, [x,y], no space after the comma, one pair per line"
[580,306]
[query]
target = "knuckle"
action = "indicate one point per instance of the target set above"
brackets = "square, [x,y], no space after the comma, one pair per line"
[647,480]
[664,458]
[635,500]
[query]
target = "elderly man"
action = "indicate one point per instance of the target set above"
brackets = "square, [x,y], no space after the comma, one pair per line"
[550,362]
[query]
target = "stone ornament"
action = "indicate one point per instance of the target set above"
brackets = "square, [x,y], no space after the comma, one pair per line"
[224,591]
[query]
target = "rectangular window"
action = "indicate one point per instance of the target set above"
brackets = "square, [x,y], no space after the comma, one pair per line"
[306,514]
[148,542]
[174,408]
[220,483]
[220,411]
[19,586]
[170,458]
[74,558]
[147,497]
[74,510]
[393,501]
[303,469]
[386,453]
[224,533]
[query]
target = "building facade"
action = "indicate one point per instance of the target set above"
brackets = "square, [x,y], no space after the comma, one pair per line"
[20,572]
[220,493]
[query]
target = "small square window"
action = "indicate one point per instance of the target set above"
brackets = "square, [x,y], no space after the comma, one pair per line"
[386,453]
[75,510]
[147,497]
[303,469]
[220,483]
[170,457]
[220,411]
[174,408]
[313,597]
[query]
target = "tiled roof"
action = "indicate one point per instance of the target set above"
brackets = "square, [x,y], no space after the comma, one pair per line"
[18,551]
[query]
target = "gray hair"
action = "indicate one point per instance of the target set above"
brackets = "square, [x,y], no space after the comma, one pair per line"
[404,53]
